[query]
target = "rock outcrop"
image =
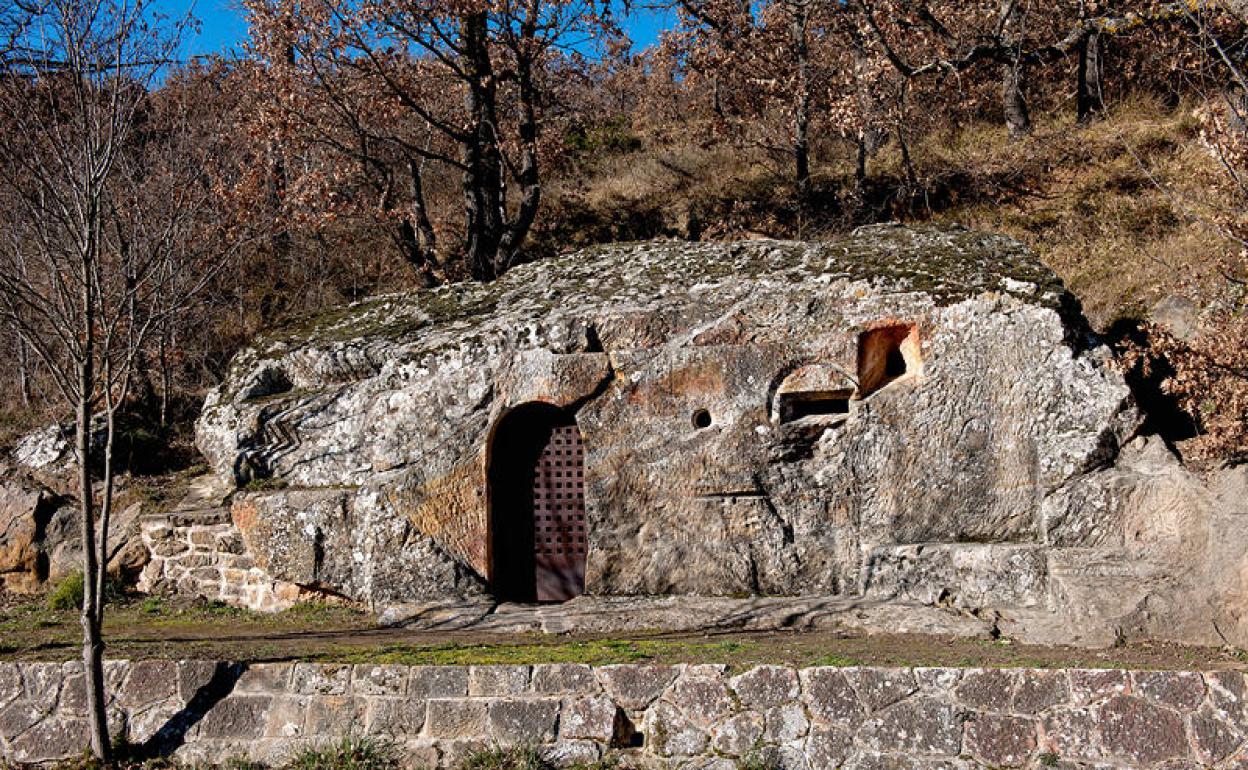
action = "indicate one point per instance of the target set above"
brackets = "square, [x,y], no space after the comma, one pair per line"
[40,535]
[909,414]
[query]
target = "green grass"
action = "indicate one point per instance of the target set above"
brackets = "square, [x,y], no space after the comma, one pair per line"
[593,652]
[519,758]
[834,661]
[66,596]
[348,753]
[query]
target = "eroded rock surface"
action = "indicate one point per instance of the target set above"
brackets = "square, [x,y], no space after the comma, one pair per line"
[917,415]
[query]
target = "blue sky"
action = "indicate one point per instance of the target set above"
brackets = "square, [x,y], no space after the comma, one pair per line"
[223,29]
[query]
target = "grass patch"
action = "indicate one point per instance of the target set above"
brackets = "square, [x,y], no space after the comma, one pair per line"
[834,661]
[591,652]
[66,595]
[349,753]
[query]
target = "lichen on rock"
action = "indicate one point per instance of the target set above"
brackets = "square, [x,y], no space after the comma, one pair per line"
[876,415]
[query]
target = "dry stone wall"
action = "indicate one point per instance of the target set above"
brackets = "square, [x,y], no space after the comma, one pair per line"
[202,554]
[685,716]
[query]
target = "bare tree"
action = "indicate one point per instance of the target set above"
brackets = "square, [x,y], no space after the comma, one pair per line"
[398,86]
[99,245]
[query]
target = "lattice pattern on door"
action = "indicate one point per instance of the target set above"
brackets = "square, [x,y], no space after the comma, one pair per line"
[559,537]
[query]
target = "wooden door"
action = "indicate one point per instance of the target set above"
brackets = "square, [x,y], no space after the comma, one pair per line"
[559,537]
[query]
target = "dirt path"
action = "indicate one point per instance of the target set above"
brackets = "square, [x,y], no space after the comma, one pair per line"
[150,629]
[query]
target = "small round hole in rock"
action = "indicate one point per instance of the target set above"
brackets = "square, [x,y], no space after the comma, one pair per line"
[701,419]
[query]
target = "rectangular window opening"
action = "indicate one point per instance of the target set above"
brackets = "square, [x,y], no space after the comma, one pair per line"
[820,403]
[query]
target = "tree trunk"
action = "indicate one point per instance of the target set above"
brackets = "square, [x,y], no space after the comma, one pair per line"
[1014,103]
[860,167]
[801,116]
[1013,100]
[92,640]
[528,177]
[1090,98]
[23,372]
[482,178]
[165,378]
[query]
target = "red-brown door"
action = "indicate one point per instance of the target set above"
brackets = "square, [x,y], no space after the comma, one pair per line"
[559,541]
[537,517]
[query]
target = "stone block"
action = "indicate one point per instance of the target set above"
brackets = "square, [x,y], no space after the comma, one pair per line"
[196,675]
[702,697]
[201,565]
[1094,685]
[335,715]
[379,679]
[498,680]
[827,746]
[592,718]
[287,717]
[670,734]
[1141,732]
[1038,691]
[990,689]
[145,723]
[765,686]
[709,763]
[455,718]
[42,683]
[1212,738]
[936,681]
[438,682]
[229,542]
[1072,734]
[739,734]
[169,548]
[395,717]
[785,723]
[635,687]
[566,754]
[565,679]
[917,726]
[202,537]
[522,721]
[50,740]
[237,717]
[18,717]
[456,752]
[881,687]
[420,754]
[1001,741]
[74,695]
[10,683]
[267,678]
[829,697]
[321,679]
[1228,696]
[149,681]
[1178,689]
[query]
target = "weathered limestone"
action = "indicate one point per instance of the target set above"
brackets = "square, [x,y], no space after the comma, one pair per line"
[39,534]
[904,416]
[687,716]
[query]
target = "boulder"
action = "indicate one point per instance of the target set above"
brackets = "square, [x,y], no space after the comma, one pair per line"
[25,509]
[39,536]
[911,413]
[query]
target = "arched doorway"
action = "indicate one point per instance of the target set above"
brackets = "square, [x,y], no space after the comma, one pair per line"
[537,506]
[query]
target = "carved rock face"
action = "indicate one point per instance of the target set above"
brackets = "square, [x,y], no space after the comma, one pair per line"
[898,414]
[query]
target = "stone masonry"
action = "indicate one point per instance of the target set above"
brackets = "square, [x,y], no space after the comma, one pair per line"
[202,554]
[684,716]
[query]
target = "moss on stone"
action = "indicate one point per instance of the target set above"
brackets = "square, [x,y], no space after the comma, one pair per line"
[947,263]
